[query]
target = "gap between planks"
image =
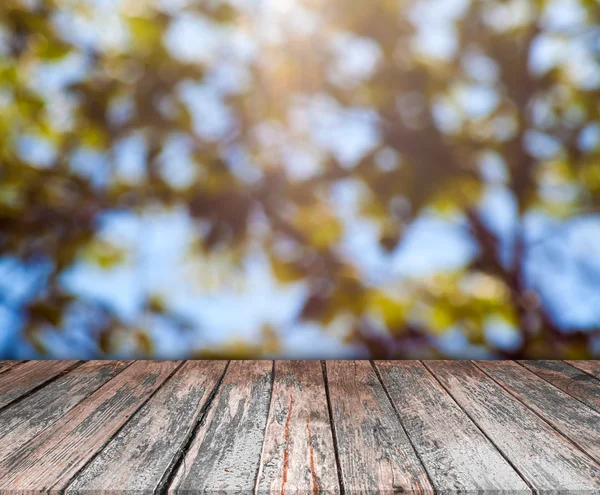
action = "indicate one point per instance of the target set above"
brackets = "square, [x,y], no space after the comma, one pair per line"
[168,479]
[588,444]
[25,378]
[546,458]
[410,440]
[332,426]
[568,378]
[180,457]
[474,422]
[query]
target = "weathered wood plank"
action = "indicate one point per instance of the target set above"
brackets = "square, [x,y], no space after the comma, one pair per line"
[225,453]
[457,456]
[569,416]
[22,421]
[298,453]
[50,460]
[569,379]
[144,451]
[546,459]
[20,380]
[591,367]
[374,452]
[6,365]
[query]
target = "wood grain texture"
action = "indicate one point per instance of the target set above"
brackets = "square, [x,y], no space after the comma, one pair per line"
[590,367]
[375,454]
[457,456]
[20,380]
[225,453]
[6,365]
[151,427]
[52,458]
[22,421]
[569,416]
[546,459]
[298,453]
[143,452]
[569,379]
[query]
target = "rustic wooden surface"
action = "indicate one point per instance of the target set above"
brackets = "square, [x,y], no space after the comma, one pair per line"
[298,452]
[545,459]
[374,451]
[569,379]
[453,449]
[225,453]
[294,427]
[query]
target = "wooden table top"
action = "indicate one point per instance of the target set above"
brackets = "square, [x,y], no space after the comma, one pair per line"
[292,427]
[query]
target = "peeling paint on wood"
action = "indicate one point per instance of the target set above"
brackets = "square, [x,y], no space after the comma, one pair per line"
[142,453]
[50,460]
[454,451]
[298,453]
[225,453]
[375,453]
[545,458]
[569,379]
[285,428]
[20,380]
[30,416]
[567,415]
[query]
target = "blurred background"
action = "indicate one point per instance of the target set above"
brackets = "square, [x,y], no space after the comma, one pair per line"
[299,179]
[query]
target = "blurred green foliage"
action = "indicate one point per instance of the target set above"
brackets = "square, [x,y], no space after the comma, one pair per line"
[428,156]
